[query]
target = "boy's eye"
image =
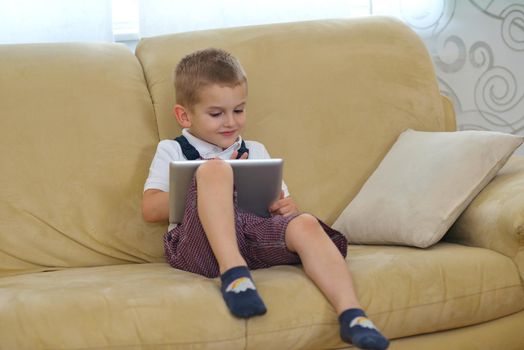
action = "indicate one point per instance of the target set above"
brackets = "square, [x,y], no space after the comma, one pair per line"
[238,111]
[215,114]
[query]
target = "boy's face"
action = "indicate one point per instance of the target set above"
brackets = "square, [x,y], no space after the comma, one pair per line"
[219,116]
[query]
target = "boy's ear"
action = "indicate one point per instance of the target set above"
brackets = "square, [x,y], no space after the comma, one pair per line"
[181,116]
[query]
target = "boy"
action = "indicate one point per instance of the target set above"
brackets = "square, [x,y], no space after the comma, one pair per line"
[215,237]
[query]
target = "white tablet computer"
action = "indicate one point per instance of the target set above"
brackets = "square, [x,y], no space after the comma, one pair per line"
[258,183]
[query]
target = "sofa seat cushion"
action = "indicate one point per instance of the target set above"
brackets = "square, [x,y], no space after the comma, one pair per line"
[146,306]
[407,291]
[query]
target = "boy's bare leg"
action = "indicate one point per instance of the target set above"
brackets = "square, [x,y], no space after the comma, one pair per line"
[216,213]
[326,267]
[322,261]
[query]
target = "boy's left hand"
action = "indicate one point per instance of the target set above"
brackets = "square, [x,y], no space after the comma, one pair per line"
[284,206]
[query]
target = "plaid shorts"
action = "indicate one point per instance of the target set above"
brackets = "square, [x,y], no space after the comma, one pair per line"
[261,240]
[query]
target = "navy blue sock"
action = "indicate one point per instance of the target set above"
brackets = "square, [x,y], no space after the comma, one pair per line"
[357,329]
[240,293]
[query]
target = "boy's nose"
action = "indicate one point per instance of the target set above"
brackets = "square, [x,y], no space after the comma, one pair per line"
[230,119]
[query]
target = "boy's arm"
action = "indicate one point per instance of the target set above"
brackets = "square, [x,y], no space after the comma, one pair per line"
[155,205]
[155,200]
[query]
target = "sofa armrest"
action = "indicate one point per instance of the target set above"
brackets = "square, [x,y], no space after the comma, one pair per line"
[495,218]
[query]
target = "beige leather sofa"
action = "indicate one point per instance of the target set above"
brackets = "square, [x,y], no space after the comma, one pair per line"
[80,269]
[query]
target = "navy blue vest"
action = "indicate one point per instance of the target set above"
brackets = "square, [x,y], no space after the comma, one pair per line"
[191,153]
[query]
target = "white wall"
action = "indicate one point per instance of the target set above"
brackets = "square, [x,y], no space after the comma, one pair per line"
[43,21]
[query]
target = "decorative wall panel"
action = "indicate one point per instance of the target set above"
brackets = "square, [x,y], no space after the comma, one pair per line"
[478,50]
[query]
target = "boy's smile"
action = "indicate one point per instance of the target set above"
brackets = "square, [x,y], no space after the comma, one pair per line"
[219,116]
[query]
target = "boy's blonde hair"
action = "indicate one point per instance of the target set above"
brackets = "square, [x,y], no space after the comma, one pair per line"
[202,68]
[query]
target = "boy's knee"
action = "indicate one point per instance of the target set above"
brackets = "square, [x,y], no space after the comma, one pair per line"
[306,222]
[214,167]
[300,231]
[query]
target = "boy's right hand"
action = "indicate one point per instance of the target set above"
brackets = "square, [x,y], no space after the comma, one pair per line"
[243,156]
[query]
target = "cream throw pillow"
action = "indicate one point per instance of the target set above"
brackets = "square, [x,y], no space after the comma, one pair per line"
[422,185]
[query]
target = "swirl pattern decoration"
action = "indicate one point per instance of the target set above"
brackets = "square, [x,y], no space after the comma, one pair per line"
[478,50]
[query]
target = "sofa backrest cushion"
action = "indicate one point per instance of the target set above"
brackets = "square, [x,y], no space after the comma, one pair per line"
[76,139]
[330,96]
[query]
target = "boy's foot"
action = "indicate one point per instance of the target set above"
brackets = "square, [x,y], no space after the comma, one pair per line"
[357,329]
[240,293]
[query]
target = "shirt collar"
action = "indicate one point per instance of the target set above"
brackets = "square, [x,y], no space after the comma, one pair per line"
[208,150]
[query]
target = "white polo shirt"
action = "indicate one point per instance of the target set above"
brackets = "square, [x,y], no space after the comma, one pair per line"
[169,150]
